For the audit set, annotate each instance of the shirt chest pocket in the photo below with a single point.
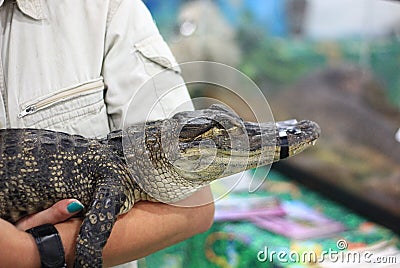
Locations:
(156, 55)
(79, 109)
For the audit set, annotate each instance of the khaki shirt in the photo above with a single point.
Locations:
(74, 66)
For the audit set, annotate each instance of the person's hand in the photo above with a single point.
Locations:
(15, 243)
(59, 212)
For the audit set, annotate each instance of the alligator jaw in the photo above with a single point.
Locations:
(294, 137)
(225, 144)
(188, 151)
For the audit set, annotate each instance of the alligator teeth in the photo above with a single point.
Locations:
(313, 142)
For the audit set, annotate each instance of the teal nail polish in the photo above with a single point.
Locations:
(74, 207)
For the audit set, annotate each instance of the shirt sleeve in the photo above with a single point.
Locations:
(141, 75)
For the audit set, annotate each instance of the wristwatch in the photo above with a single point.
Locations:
(50, 246)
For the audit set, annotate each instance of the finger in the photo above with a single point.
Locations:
(59, 212)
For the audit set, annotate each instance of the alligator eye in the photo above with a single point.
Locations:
(196, 127)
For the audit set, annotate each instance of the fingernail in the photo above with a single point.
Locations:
(74, 207)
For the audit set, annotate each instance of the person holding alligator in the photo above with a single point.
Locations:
(138, 163)
(72, 66)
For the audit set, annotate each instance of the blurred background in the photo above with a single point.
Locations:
(336, 62)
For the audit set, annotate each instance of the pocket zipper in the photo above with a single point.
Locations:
(34, 107)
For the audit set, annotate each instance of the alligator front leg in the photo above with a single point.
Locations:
(96, 226)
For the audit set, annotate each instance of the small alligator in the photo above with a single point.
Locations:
(163, 160)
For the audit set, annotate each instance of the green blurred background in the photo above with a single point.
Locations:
(334, 62)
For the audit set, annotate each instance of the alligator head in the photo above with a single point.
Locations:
(193, 148)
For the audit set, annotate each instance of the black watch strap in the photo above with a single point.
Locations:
(50, 246)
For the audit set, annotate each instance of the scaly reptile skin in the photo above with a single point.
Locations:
(165, 160)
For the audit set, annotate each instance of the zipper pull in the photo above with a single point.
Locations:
(28, 110)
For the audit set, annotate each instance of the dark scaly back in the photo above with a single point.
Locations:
(39, 167)
(114, 143)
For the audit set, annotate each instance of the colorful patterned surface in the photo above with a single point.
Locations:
(242, 244)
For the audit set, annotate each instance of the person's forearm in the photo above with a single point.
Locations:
(18, 249)
(147, 228)
(150, 227)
